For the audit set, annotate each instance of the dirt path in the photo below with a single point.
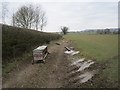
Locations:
(40, 75)
(57, 72)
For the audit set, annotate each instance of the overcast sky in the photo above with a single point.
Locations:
(76, 15)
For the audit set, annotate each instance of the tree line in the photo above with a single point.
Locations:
(107, 31)
(27, 16)
(30, 17)
(102, 31)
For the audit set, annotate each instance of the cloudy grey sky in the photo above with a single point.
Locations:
(76, 15)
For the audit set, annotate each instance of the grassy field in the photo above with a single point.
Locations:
(102, 48)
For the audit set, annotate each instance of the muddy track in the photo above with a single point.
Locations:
(40, 75)
(58, 71)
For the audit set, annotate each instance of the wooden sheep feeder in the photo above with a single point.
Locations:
(40, 53)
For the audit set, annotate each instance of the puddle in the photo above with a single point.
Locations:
(86, 76)
(82, 78)
(71, 52)
(75, 52)
(79, 65)
(77, 61)
(86, 64)
(75, 65)
(76, 71)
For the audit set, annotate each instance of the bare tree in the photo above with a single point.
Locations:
(40, 18)
(30, 17)
(37, 18)
(43, 20)
(64, 29)
(21, 17)
(24, 17)
(13, 19)
(4, 11)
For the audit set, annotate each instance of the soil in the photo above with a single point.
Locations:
(41, 75)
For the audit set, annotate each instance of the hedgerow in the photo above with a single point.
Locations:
(17, 41)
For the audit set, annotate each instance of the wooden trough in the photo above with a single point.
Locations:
(40, 53)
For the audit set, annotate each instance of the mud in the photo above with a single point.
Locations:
(77, 61)
(78, 71)
(86, 76)
(59, 71)
(85, 65)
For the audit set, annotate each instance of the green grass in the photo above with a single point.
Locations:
(102, 48)
(112, 70)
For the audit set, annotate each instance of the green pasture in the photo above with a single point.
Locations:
(101, 48)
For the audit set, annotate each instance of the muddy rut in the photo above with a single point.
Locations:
(57, 72)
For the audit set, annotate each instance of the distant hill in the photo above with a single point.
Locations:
(95, 31)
